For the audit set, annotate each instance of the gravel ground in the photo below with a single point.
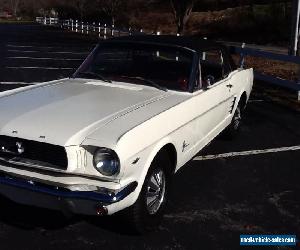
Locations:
(213, 201)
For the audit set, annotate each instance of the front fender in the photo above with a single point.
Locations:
(137, 166)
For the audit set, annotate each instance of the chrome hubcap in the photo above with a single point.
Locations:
(237, 119)
(155, 193)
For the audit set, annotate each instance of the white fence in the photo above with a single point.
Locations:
(47, 20)
(101, 30)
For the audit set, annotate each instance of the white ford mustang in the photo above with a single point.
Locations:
(110, 137)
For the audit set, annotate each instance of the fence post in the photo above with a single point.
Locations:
(99, 30)
(112, 30)
(295, 28)
(76, 25)
(157, 52)
(105, 31)
(87, 28)
(94, 26)
(242, 55)
(81, 27)
(204, 53)
(129, 30)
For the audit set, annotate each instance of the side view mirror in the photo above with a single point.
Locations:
(208, 81)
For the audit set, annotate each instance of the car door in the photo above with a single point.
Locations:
(214, 98)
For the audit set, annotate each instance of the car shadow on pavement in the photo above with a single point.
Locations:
(29, 218)
(26, 217)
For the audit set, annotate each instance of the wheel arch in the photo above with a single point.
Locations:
(170, 151)
(243, 100)
(165, 146)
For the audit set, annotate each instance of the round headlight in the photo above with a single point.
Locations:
(106, 162)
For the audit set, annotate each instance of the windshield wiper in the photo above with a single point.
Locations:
(93, 74)
(154, 84)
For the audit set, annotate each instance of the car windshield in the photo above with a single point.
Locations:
(157, 66)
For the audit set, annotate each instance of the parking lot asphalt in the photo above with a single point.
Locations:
(248, 185)
(31, 53)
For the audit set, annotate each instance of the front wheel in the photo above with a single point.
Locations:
(146, 214)
(235, 125)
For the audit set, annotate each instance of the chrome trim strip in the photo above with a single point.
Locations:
(58, 192)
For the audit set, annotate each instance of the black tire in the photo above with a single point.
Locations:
(138, 215)
(234, 127)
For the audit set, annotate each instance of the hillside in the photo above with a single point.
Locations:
(263, 24)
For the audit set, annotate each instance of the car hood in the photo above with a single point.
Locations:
(66, 112)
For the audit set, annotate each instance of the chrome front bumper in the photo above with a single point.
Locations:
(46, 196)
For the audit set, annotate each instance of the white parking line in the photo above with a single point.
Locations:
(255, 100)
(246, 153)
(50, 68)
(67, 52)
(23, 51)
(41, 47)
(47, 52)
(44, 58)
(23, 46)
(17, 46)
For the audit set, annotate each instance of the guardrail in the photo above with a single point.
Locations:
(292, 85)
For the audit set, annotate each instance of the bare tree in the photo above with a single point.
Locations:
(111, 8)
(14, 6)
(182, 10)
(80, 6)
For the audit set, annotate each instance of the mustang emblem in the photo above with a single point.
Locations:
(20, 147)
(184, 146)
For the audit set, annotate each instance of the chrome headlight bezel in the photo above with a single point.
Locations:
(106, 162)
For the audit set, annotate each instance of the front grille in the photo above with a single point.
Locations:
(26, 152)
